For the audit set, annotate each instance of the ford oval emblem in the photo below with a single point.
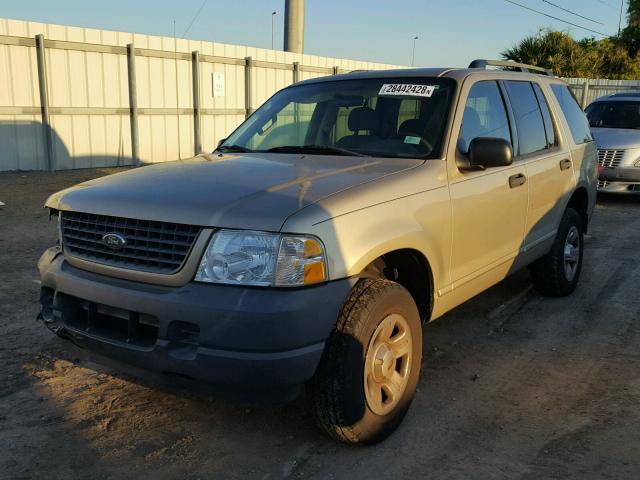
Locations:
(114, 241)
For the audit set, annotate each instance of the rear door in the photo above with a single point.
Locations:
(546, 158)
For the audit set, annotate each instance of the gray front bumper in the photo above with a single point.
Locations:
(237, 336)
(620, 174)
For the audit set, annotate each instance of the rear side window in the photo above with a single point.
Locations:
(546, 116)
(577, 120)
(484, 115)
(532, 137)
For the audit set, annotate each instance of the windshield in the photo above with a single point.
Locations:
(384, 117)
(617, 114)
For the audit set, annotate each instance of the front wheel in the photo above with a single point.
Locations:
(371, 364)
(557, 273)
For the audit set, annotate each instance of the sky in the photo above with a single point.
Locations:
(450, 32)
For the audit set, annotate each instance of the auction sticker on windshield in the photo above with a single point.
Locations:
(407, 89)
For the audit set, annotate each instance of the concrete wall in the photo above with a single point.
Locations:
(87, 86)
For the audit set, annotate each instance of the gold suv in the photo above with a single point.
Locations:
(309, 247)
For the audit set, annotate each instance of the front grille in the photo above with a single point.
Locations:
(602, 183)
(610, 158)
(156, 247)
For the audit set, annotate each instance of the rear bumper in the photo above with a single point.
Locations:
(250, 338)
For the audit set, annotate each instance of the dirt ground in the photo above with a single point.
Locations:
(516, 386)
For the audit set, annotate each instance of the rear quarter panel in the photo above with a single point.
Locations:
(584, 157)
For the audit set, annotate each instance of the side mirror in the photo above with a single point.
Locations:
(220, 142)
(489, 152)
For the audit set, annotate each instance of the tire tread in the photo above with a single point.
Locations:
(324, 389)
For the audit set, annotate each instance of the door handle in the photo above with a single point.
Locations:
(565, 164)
(517, 180)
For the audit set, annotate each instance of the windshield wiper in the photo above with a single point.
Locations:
(319, 149)
(233, 148)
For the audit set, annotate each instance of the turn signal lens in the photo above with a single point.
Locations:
(301, 261)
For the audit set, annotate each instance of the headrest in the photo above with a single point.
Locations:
(363, 118)
(413, 126)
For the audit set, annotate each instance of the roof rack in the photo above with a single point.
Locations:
(519, 67)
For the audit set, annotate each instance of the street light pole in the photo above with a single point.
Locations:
(273, 16)
(413, 53)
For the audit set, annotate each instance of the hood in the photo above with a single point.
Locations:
(616, 138)
(245, 191)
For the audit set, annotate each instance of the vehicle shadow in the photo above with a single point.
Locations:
(618, 198)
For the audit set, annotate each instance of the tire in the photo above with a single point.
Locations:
(549, 275)
(337, 397)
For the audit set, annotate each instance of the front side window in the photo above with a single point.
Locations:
(532, 137)
(577, 120)
(614, 114)
(382, 117)
(484, 115)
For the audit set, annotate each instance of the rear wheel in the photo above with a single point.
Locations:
(371, 364)
(557, 273)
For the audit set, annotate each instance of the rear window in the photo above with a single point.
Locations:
(577, 120)
(617, 114)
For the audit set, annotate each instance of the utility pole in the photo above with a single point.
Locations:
(413, 52)
(294, 26)
(620, 21)
(273, 16)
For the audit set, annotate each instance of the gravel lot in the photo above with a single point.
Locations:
(515, 385)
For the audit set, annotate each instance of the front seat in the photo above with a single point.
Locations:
(361, 118)
(413, 127)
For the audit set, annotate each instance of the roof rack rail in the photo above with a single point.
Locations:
(519, 67)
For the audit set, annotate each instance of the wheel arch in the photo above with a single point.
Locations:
(410, 268)
(579, 201)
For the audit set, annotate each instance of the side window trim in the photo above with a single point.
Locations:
(512, 119)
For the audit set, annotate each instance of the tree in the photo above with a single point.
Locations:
(587, 58)
(630, 37)
(614, 57)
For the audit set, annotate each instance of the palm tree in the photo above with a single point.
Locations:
(554, 50)
(630, 37)
(587, 58)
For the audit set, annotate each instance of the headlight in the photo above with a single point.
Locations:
(240, 257)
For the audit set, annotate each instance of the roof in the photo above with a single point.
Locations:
(398, 72)
(619, 97)
(458, 73)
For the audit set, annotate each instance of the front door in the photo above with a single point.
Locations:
(489, 207)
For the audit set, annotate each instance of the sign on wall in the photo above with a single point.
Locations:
(218, 84)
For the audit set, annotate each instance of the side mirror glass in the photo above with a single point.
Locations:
(489, 152)
(220, 142)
